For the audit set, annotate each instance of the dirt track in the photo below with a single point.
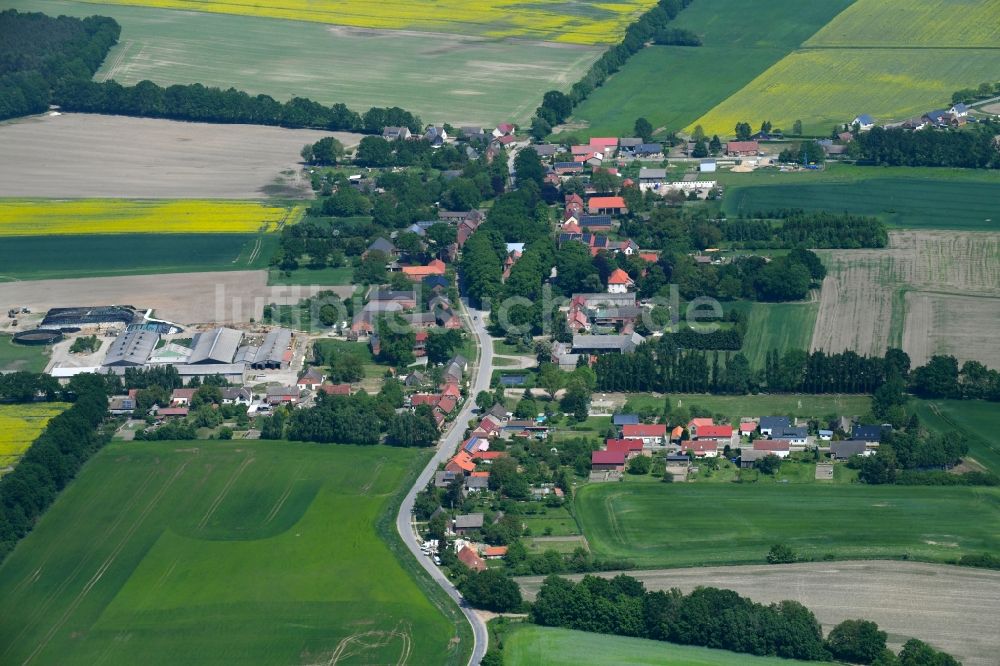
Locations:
(956, 609)
(186, 298)
(84, 155)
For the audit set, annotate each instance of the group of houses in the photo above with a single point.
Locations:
(408, 305)
(495, 139)
(703, 438)
(957, 115)
(448, 394)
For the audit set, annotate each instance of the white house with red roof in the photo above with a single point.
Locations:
(704, 448)
(651, 434)
(619, 282)
(779, 447)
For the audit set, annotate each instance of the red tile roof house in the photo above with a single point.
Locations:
(172, 412)
(747, 427)
(607, 461)
(631, 447)
(488, 456)
(461, 463)
(742, 148)
(336, 389)
(494, 552)
(705, 448)
(182, 396)
(607, 206)
(471, 559)
(650, 434)
(722, 433)
(779, 447)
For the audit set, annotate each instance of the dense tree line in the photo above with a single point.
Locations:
(196, 102)
(723, 339)
(798, 228)
(982, 91)
(676, 37)
(720, 619)
(970, 148)
(707, 616)
(39, 53)
(941, 377)
(26, 386)
(556, 106)
(53, 459)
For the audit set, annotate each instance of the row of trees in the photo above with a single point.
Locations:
(557, 106)
(716, 618)
(53, 459)
(970, 148)
(39, 53)
(982, 91)
(196, 102)
(798, 228)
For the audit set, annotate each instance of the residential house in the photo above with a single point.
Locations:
(749, 456)
(494, 552)
(825, 435)
(471, 559)
(742, 148)
(407, 300)
(768, 424)
(471, 133)
(182, 397)
(593, 223)
(649, 176)
(703, 448)
(436, 136)
(504, 129)
(477, 482)
(606, 145)
(524, 429)
(416, 379)
(418, 273)
(443, 479)
(382, 245)
(959, 110)
(844, 449)
(607, 206)
(630, 447)
(468, 522)
(747, 427)
(797, 436)
(619, 282)
(567, 168)
(779, 447)
(648, 151)
(121, 404)
(597, 344)
(653, 434)
(488, 457)
(864, 122)
(335, 389)
(868, 433)
(607, 461)
(456, 367)
(461, 463)
(312, 378)
(170, 412)
(282, 395)
(396, 133)
(236, 395)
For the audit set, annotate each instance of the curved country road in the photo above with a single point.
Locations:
(446, 449)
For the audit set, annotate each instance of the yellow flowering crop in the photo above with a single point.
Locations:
(28, 217)
(569, 21)
(20, 425)
(914, 23)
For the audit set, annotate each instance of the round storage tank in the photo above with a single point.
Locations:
(38, 336)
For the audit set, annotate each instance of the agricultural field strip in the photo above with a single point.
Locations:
(913, 23)
(572, 22)
(20, 425)
(944, 605)
(858, 296)
(42, 217)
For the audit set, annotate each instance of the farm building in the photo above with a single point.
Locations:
(468, 522)
(631, 447)
(471, 559)
(742, 148)
(653, 434)
(607, 461)
(231, 372)
(779, 447)
(607, 206)
(273, 351)
(218, 346)
(849, 447)
(749, 456)
(60, 318)
(708, 166)
(131, 348)
(619, 282)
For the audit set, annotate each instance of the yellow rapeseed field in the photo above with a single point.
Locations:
(827, 87)
(914, 23)
(20, 425)
(568, 21)
(29, 217)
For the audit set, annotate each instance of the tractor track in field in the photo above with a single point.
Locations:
(225, 490)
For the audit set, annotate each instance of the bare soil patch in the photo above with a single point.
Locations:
(186, 298)
(86, 155)
(931, 291)
(956, 609)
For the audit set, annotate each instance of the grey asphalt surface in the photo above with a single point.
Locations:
(446, 449)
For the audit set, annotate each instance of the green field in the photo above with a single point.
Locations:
(826, 88)
(976, 419)
(672, 86)
(45, 257)
(531, 645)
(781, 326)
(957, 199)
(461, 80)
(961, 23)
(676, 525)
(21, 357)
(735, 406)
(222, 553)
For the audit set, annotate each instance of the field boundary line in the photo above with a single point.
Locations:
(109, 560)
(225, 490)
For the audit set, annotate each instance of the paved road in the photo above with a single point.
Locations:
(446, 448)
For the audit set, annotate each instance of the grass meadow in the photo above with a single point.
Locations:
(672, 86)
(828, 87)
(571, 22)
(913, 23)
(47, 257)
(220, 553)
(733, 407)
(453, 78)
(781, 326)
(46, 217)
(975, 419)
(15, 357)
(20, 425)
(532, 645)
(338, 276)
(676, 525)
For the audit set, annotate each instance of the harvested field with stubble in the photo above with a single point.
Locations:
(956, 609)
(926, 292)
(187, 298)
(83, 155)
